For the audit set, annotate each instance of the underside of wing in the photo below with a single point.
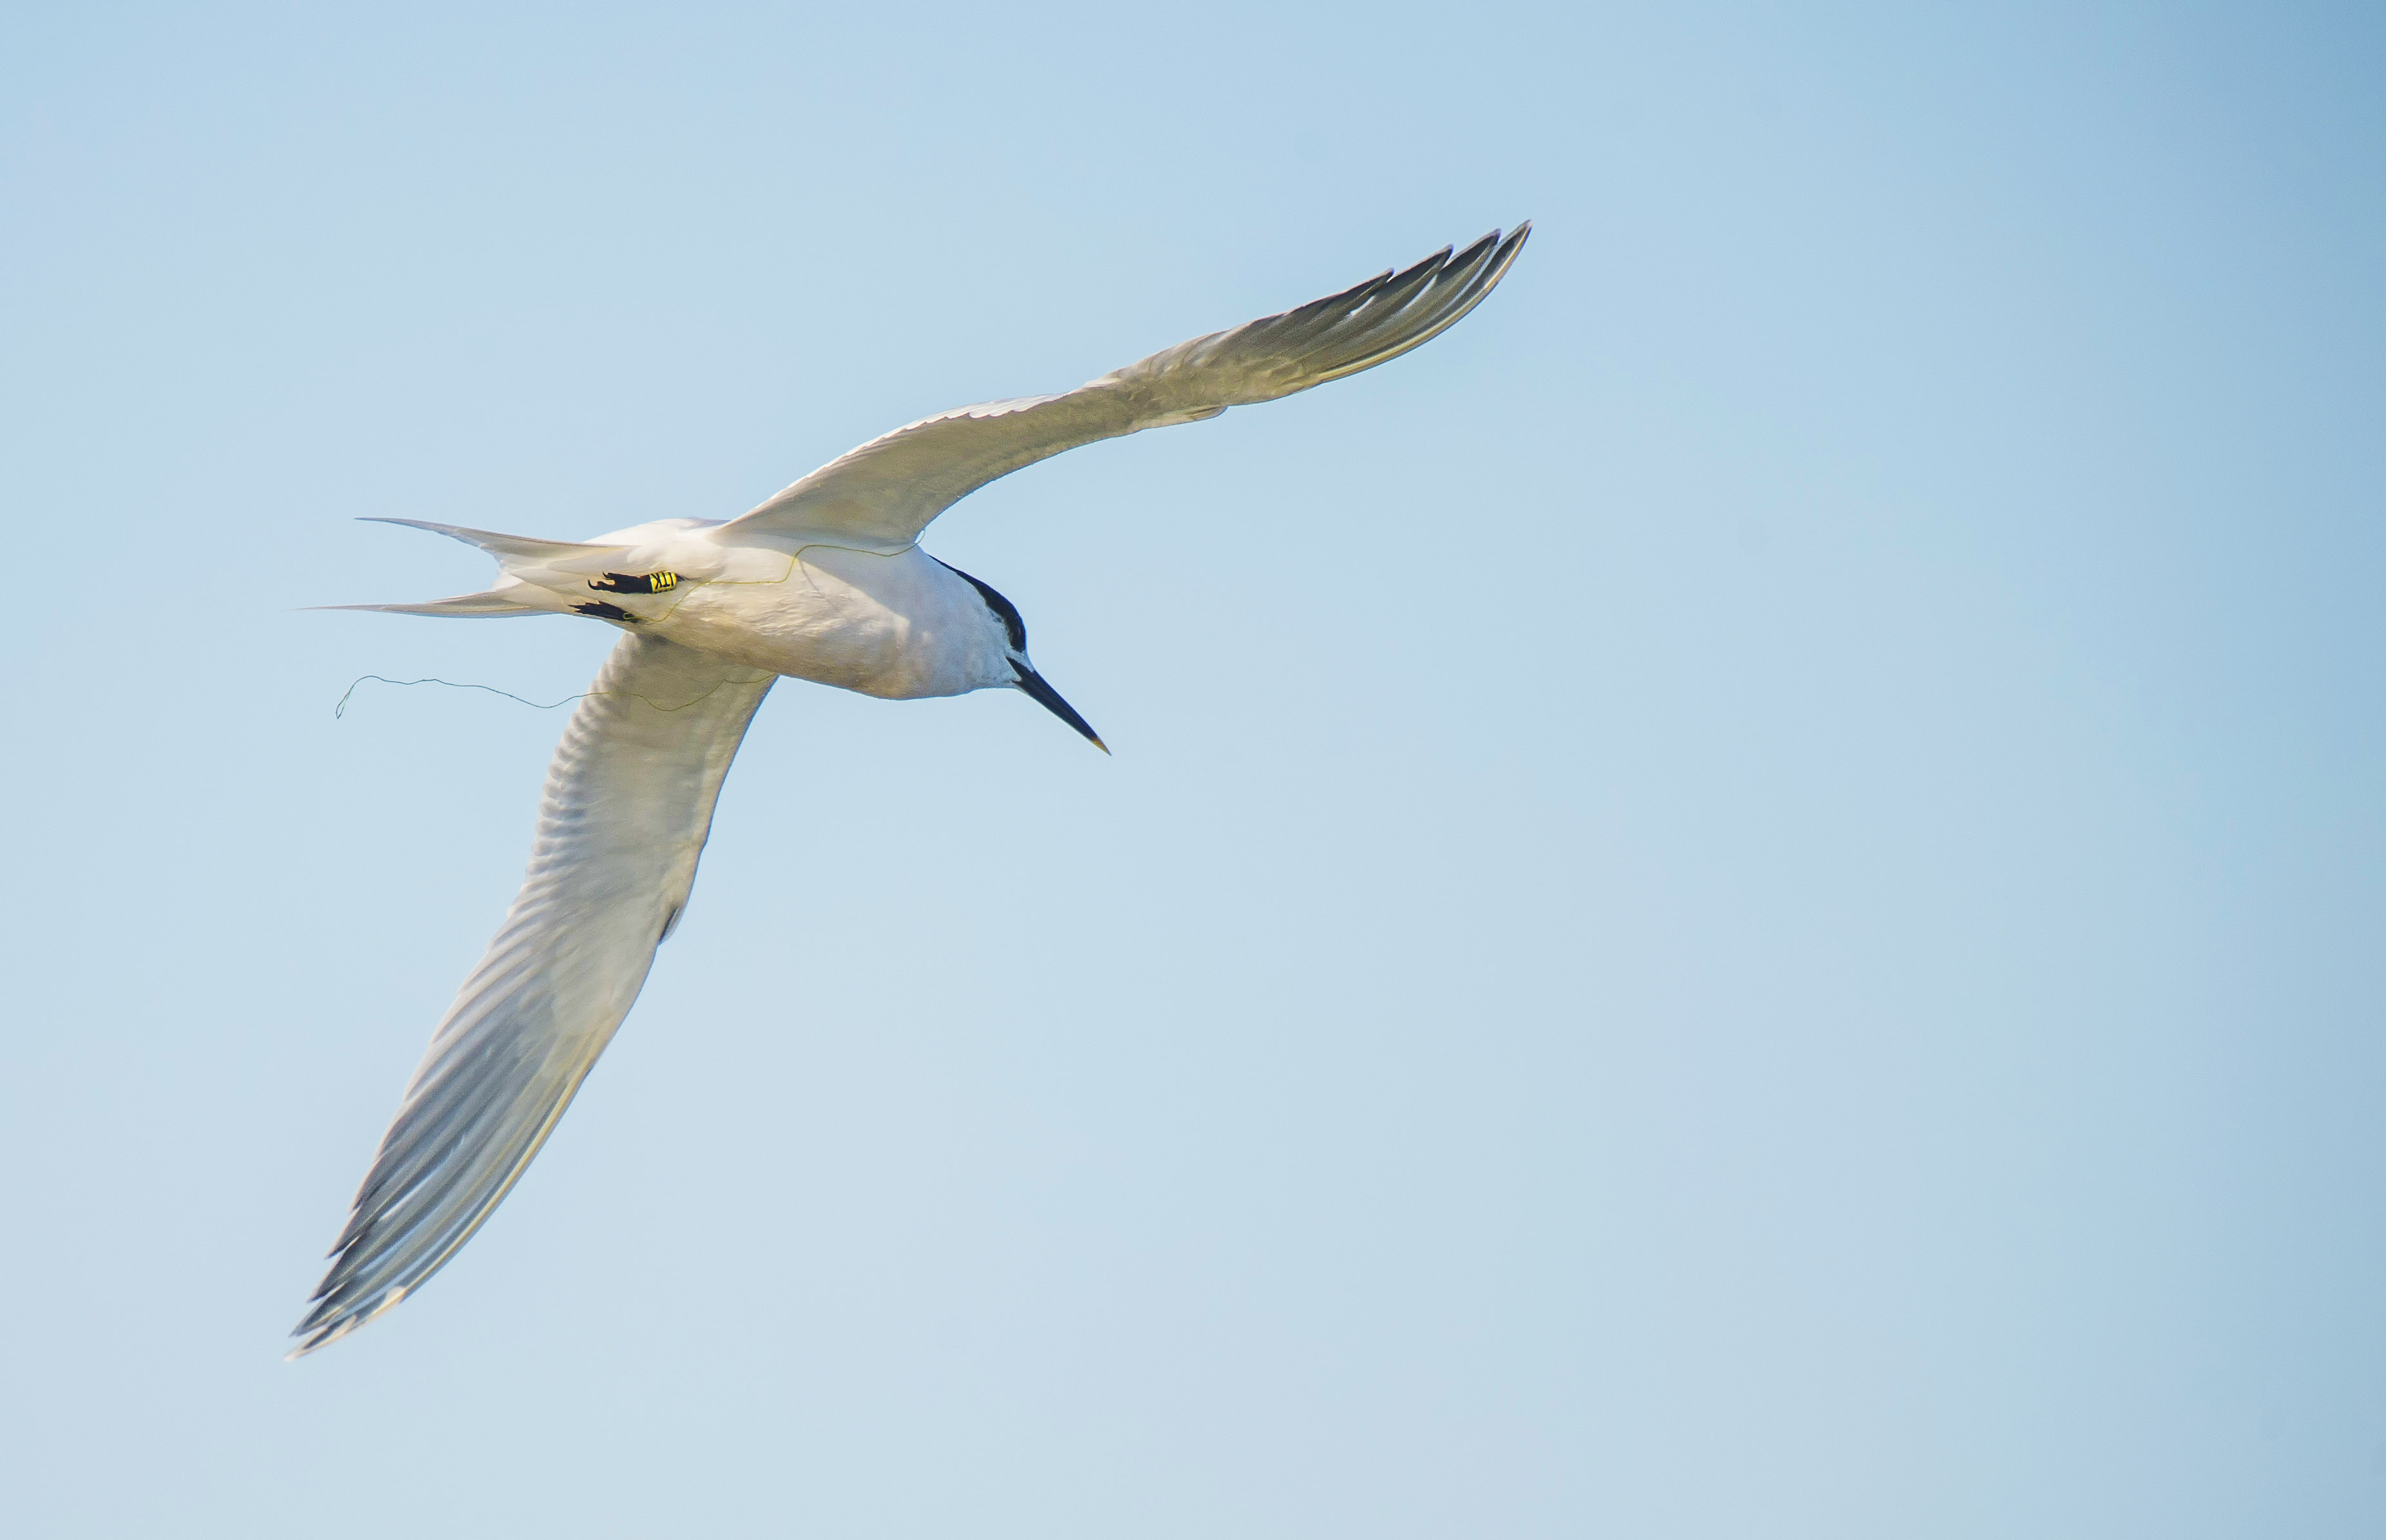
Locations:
(888, 490)
(628, 804)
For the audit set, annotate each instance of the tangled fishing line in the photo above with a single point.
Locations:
(342, 709)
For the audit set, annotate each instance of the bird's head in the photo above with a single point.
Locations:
(1022, 675)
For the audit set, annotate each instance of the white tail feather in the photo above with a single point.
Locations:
(487, 606)
(522, 547)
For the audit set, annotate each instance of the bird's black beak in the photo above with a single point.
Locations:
(1044, 695)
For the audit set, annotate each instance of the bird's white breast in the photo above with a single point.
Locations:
(899, 627)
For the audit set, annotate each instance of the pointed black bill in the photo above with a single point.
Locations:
(1048, 698)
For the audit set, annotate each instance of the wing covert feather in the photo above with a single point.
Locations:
(624, 819)
(888, 490)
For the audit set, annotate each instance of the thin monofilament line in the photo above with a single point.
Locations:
(342, 709)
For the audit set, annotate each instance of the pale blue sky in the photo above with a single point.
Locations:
(1741, 900)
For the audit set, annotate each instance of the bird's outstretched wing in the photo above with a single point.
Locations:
(888, 490)
(628, 803)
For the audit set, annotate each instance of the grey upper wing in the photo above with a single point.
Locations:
(628, 804)
(888, 490)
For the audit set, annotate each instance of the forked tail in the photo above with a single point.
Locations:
(520, 589)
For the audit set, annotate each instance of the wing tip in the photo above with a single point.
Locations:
(317, 1331)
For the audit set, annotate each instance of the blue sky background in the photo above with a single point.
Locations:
(1742, 899)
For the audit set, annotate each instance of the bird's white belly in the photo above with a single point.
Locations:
(899, 627)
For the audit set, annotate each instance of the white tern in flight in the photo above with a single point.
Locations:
(825, 581)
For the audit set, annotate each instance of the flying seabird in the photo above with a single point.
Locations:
(825, 581)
